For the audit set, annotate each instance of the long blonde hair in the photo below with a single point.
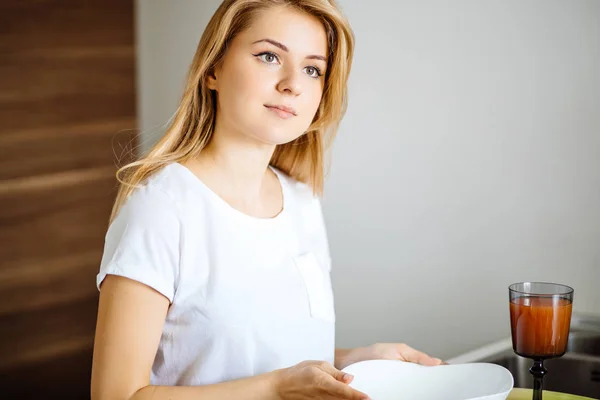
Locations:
(192, 126)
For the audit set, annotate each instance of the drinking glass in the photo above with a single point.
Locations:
(540, 318)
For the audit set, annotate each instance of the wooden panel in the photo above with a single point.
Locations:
(69, 62)
(41, 334)
(63, 377)
(73, 89)
(59, 24)
(67, 112)
(76, 72)
(66, 148)
(38, 285)
(54, 216)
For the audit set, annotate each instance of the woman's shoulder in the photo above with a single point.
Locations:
(159, 188)
(301, 191)
(300, 199)
(165, 192)
(171, 180)
(175, 182)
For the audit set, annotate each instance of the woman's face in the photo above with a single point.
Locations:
(271, 80)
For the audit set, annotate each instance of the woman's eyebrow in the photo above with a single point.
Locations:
(285, 48)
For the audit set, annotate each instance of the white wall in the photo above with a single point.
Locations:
(469, 159)
(167, 34)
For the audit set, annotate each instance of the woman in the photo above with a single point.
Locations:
(214, 282)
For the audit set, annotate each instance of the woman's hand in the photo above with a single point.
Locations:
(315, 380)
(386, 351)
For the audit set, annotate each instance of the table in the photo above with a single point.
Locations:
(526, 394)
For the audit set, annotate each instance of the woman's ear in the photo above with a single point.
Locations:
(211, 79)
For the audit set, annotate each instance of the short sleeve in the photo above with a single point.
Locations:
(143, 242)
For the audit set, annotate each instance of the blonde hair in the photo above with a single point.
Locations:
(192, 126)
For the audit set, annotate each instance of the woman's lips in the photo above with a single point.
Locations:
(281, 111)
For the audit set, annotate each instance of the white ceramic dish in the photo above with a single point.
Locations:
(398, 380)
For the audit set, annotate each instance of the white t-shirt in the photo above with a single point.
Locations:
(248, 295)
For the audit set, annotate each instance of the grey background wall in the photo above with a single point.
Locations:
(469, 159)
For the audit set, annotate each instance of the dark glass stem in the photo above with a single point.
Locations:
(538, 371)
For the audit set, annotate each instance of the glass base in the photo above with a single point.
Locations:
(538, 371)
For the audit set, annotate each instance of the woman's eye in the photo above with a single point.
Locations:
(313, 72)
(268, 58)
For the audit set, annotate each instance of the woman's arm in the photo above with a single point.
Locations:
(383, 351)
(256, 388)
(130, 322)
(345, 357)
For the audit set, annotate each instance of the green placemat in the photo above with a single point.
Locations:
(526, 394)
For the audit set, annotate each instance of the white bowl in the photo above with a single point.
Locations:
(399, 380)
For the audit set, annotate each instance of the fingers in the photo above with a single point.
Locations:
(338, 386)
(409, 354)
(336, 373)
(341, 391)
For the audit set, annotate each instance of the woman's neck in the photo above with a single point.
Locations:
(237, 170)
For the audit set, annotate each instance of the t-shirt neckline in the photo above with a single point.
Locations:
(224, 204)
